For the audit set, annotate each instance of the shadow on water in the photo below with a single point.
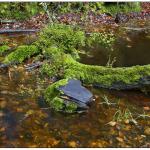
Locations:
(27, 121)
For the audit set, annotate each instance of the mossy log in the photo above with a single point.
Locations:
(120, 78)
(59, 46)
(59, 43)
(136, 77)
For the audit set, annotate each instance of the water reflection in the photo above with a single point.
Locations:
(131, 48)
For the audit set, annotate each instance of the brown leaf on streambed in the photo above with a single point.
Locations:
(147, 131)
(46, 125)
(112, 123)
(98, 143)
(29, 112)
(33, 146)
(127, 128)
(121, 135)
(96, 96)
(19, 109)
(53, 142)
(129, 46)
(126, 121)
(2, 129)
(72, 144)
(37, 122)
(3, 104)
(146, 108)
(119, 139)
(1, 114)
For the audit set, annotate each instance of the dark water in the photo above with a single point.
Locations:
(26, 121)
(131, 48)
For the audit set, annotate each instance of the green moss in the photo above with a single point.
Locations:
(70, 107)
(51, 92)
(63, 37)
(103, 38)
(104, 75)
(52, 97)
(3, 49)
(21, 53)
(126, 7)
(57, 103)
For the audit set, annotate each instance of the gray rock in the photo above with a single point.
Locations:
(76, 92)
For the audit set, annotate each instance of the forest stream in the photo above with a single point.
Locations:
(27, 121)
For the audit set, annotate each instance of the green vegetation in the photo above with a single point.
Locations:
(3, 49)
(18, 10)
(52, 96)
(122, 115)
(24, 10)
(104, 39)
(96, 7)
(107, 101)
(122, 7)
(21, 53)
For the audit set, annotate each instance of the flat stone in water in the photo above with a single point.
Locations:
(75, 90)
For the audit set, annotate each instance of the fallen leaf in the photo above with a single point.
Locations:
(146, 108)
(72, 144)
(112, 123)
(3, 104)
(1, 114)
(2, 129)
(119, 139)
(129, 46)
(127, 121)
(147, 131)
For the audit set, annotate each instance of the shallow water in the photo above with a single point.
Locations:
(26, 120)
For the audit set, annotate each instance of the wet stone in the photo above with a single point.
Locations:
(76, 92)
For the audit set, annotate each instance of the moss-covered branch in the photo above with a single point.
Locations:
(59, 44)
(106, 77)
(3, 49)
(21, 53)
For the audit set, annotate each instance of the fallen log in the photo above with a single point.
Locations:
(59, 43)
(7, 21)
(18, 31)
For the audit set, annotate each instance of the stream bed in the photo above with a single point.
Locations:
(26, 120)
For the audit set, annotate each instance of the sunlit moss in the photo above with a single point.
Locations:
(52, 90)
(57, 103)
(3, 49)
(21, 53)
(105, 75)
